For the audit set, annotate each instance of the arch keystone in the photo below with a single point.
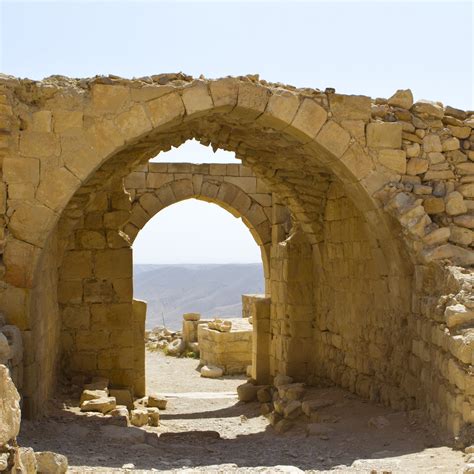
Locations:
(224, 93)
(196, 99)
(252, 101)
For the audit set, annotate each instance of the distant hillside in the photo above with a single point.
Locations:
(212, 290)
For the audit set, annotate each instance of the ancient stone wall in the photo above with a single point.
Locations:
(381, 199)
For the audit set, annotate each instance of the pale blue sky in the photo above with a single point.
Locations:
(370, 48)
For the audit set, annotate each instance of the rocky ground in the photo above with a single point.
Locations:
(206, 429)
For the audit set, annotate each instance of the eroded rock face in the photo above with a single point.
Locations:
(10, 414)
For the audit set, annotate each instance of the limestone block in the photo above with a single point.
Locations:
(5, 350)
(153, 416)
(28, 460)
(466, 220)
(357, 161)
(308, 120)
(461, 235)
(92, 395)
(432, 143)
(191, 316)
(394, 160)
(136, 179)
(122, 396)
(292, 410)
(281, 109)
(21, 170)
(384, 135)
(434, 205)
(57, 187)
(224, 93)
(458, 314)
(196, 98)
(428, 108)
(13, 335)
(438, 236)
(133, 122)
(67, 120)
(211, 371)
(157, 401)
(109, 98)
(252, 100)
(417, 166)
(113, 263)
(166, 110)
(467, 190)
(282, 380)
(139, 417)
(403, 98)
(10, 413)
(450, 144)
(102, 405)
(51, 463)
(39, 144)
(333, 138)
(354, 107)
(247, 392)
(455, 204)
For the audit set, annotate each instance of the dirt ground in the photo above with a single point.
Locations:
(206, 429)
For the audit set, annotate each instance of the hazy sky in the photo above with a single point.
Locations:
(370, 48)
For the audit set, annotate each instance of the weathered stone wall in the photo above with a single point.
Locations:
(380, 185)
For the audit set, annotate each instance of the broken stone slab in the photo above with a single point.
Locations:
(102, 405)
(211, 371)
(458, 314)
(403, 98)
(92, 395)
(139, 417)
(156, 401)
(10, 413)
(51, 463)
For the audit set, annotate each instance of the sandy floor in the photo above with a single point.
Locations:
(206, 429)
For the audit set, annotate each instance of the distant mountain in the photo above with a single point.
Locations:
(214, 290)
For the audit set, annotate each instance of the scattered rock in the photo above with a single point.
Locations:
(98, 383)
(157, 401)
(378, 422)
(292, 391)
(176, 347)
(51, 463)
(403, 98)
(211, 371)
(28, 460)
(292, 410)
(247, 392)
(264, 395)
(222, 325)
(283, 426)
(153, 416)
(318, 429)
(123, 434)
(10, 414)
(139, 417)
(4, 461)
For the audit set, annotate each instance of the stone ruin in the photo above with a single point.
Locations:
(363, 209)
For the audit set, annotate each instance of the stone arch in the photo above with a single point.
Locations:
(225, 195)
(314, 150)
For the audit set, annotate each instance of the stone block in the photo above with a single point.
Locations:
(384, 135)
(394, 160)
(308, 120)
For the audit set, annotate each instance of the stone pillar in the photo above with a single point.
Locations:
(139, 316)
(260, 313)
